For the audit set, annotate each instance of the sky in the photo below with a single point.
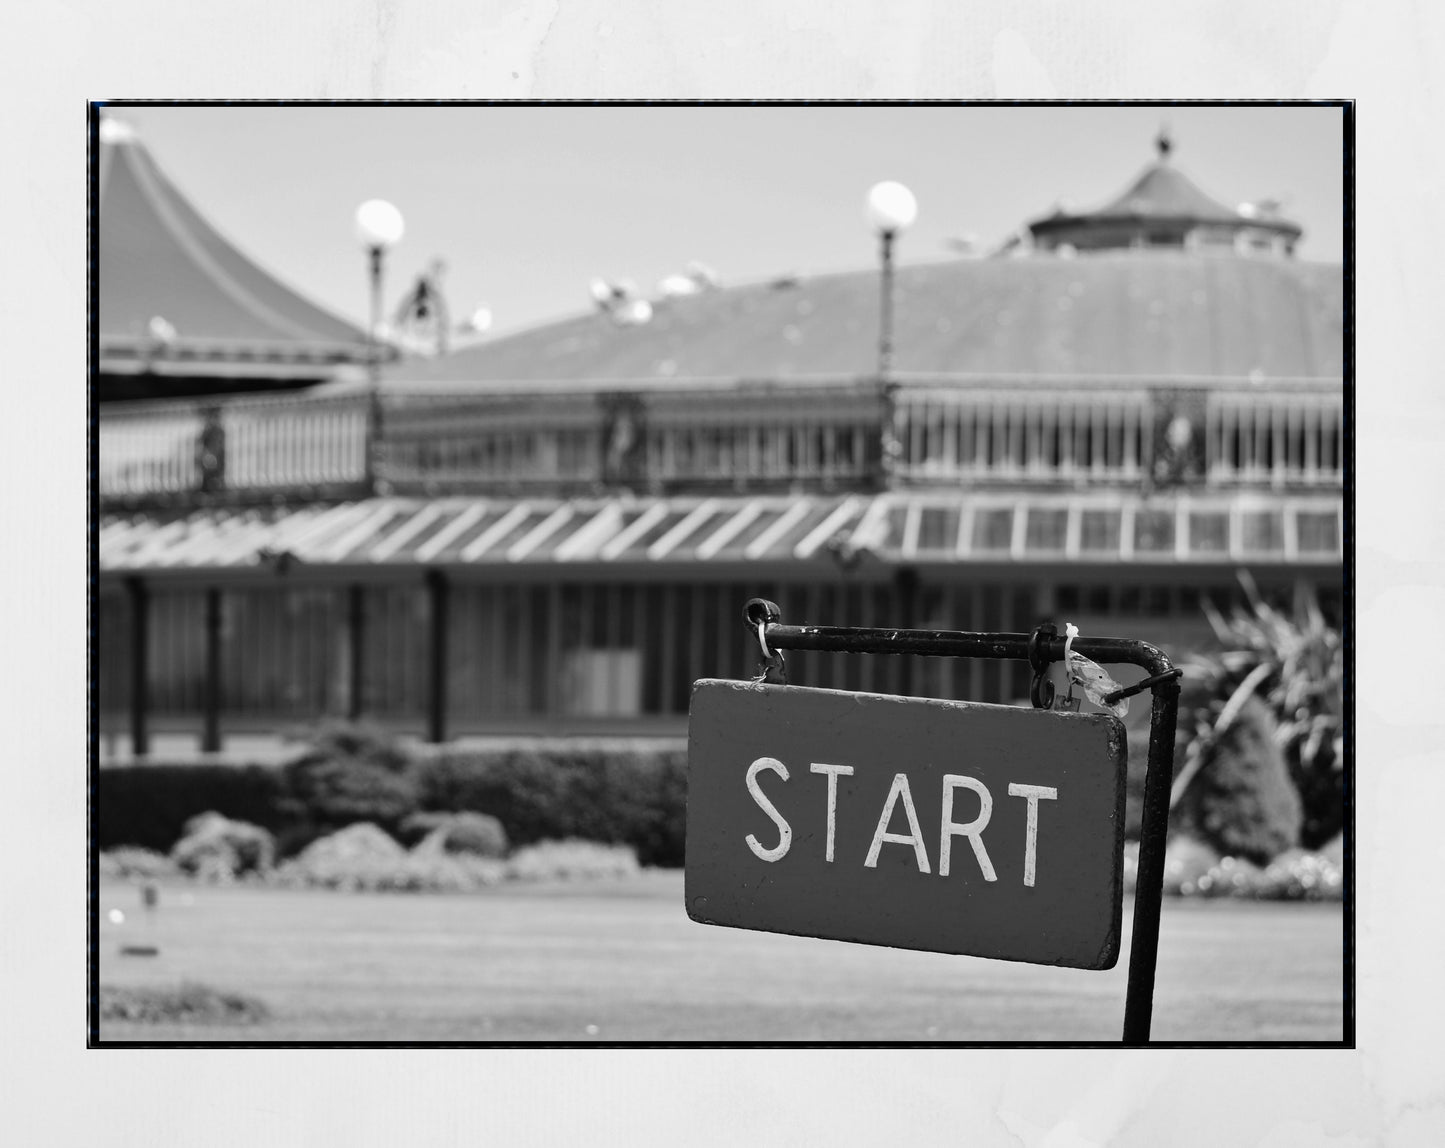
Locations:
(526, 205)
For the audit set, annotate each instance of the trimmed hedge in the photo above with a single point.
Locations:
(625, 797)
(631, 796)
(149, 805)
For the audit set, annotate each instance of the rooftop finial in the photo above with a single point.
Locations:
(1164, 143)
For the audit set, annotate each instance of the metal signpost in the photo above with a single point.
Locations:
(954, 827)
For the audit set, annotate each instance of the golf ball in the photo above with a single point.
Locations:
(116, 917)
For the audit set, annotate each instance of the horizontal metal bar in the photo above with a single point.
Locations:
(959, 644)
(1139, 687)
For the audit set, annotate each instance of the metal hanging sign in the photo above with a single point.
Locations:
(954, 827)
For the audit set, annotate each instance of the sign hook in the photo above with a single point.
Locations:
(1041, 690)
(758, 614)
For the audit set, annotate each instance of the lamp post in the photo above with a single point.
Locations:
(891, 209)
(379, 226)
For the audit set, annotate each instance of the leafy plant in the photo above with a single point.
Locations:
(1294, 665)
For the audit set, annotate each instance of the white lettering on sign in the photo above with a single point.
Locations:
(915, 835)
(1031, 833)
(948, 828)
(973, 830)
(785, 831)
(833, 772)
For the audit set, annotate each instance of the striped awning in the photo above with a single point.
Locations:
(896, 527)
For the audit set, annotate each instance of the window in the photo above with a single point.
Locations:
(602, 682)
(1318, 531)
(1099, 531)
(1046, 529)
(1263, 531)
(937, 529)
(1209, 532)
(287, 651)
(1154, 531)
(993, 529)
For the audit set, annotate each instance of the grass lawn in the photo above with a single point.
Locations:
(620, 961)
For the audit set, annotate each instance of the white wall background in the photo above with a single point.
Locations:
(1385, 53)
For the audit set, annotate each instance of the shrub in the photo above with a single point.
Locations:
(219, 849)
(571, 861)
(1186, 860)
(1193, 869)
(626, 797)
(1302, 876)
(188, 1004)
(359, 842)
(363, 858)
(466, 832)
(149, 805)
(349, 773)
(131, 863)
(1242, 800)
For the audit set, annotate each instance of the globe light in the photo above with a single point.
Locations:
(379, 224)
(891, 207)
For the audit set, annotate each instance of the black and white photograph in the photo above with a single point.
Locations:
(727, 574)
(671, 573)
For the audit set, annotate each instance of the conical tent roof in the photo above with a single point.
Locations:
(1164, 192)
(177, 299)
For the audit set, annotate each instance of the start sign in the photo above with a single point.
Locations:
(956, 827)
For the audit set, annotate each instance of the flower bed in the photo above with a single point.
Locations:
(1192, 869)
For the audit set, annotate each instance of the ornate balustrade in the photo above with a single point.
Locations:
(753, 437)
(1229, 433)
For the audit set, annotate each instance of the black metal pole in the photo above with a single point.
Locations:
(373, 369)
(887, 441)
(437, 686)
(139, 665)
(1149, 888)
(906, 584)
(885, 306)
(356, 629)
(211, 729)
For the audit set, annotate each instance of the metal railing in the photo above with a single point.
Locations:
(963, 434)
(993, 434)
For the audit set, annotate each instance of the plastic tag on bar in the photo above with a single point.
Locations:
(1096, 684)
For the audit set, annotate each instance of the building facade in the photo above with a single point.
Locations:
(555, 533)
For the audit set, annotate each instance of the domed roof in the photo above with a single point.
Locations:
(1118, 315)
